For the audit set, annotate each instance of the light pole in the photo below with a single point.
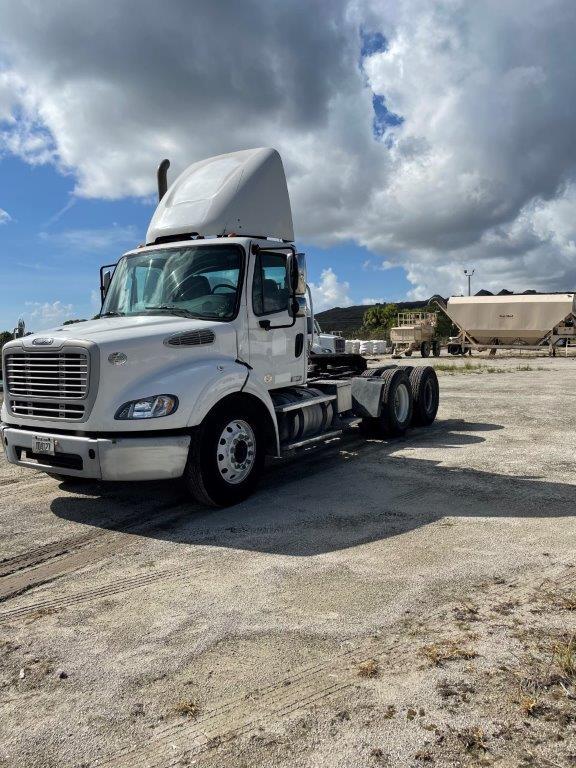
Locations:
(469, 273)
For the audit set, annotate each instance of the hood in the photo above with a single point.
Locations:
(116, 329)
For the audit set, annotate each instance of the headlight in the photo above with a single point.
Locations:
(148, 407)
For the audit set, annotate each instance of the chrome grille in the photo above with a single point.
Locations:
(339, 346)
(53, 375)
(47, 410)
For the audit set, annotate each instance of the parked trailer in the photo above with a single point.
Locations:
(524, 321)
(415, 332)
(197, 366)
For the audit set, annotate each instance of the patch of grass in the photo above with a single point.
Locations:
(565, 656)
(447, 650)
(565, 600)
(368, 668)
(187, 708)
(473, 740)
(468, 368)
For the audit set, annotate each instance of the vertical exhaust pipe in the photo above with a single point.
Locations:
(162, 176)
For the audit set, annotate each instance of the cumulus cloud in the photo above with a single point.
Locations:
(330, 292)
(438, 135)
(4, 217)
(43, 315)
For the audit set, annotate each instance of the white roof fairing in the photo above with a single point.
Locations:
(241, 192)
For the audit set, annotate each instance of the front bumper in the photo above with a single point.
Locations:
(124, 458)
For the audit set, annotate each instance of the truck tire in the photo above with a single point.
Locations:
(226, 456)
(397, 405)
(374, 373)
(408, 353)
(426, 393)
(436, 348)
(425, 349)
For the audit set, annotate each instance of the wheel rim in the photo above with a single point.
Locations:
(428, 396)
(236, 451)
(401, 403)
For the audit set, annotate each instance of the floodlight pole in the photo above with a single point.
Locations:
(469, 273)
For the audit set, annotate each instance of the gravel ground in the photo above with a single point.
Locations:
(400, 603)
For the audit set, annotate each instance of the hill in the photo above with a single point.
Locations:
(349, 319)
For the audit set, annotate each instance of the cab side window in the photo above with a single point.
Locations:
(270, 284)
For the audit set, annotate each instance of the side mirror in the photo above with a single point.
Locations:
(293, 273)
(106, 283)
(106, 273)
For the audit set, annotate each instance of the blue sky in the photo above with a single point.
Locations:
(55, 242)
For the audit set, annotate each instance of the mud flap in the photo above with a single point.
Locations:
(367, 397)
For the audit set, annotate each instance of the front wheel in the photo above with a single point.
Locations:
(226, 456)
(425, 349)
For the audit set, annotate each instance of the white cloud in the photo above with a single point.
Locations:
(90, 240)
(4, 217)
(479, 172)
(330, 292)
(368, 302)
(43, 315)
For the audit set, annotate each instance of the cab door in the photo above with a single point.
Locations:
(278, 353)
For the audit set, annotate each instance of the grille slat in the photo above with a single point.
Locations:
(47, 410)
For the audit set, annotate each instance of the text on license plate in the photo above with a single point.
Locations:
(43, 445)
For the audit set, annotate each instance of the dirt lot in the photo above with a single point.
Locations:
(402, 603)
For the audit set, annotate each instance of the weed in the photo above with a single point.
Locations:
(188, 708)
(565, 656)
(473, 739)
(368, 668)
(448, 650)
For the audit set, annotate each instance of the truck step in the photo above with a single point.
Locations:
(311, 440)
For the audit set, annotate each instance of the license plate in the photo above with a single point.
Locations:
(43, 445)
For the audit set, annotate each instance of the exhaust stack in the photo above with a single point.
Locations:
(162, 176)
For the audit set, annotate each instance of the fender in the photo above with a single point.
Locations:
(233, 378)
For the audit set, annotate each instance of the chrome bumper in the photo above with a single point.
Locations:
(125, 458)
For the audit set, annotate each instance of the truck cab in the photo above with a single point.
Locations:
(196, 366)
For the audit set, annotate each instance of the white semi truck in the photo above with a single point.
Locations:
(197, 366)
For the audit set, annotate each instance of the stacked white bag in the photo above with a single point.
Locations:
(348, 345)
(366, 348)
(356, 346)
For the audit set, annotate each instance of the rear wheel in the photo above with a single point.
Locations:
(226, 456)
(426, 393)
(425, 349)
(436, 348)
(397, 405)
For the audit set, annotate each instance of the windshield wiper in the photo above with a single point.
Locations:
(174, 311)
(112, 314)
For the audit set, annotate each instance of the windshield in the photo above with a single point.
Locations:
(195, 281)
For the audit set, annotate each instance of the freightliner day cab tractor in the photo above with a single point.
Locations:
(197, 366)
